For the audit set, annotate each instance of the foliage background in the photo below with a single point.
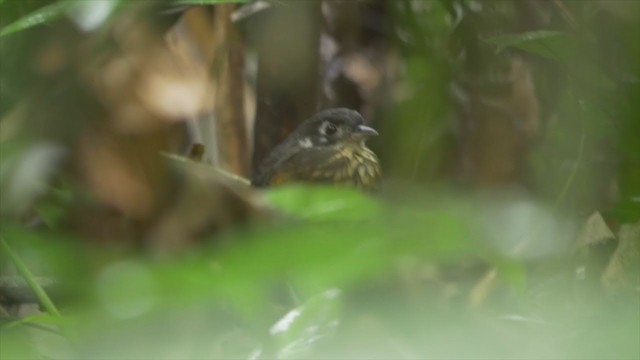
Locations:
(506, 226)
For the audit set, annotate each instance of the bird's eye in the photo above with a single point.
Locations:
(330, 129)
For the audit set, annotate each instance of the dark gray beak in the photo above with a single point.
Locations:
(365, 131)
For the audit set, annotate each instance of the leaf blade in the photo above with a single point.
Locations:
(40, 16)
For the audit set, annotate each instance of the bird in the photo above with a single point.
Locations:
(327, 148)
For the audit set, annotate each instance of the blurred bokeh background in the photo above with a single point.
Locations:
(507, 224)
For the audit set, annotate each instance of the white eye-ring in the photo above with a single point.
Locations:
(328, 128)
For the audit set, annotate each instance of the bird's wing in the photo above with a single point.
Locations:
(273, 161)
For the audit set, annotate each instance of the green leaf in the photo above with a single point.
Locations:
(208, 2)
(323, 202)
(38, 319)
(554, 45)
(513, 272)
(43, 15)
(16, 343)
(55, 206)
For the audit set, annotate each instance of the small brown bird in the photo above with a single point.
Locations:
(326, 148)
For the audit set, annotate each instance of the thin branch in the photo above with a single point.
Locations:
(30, 279)
(567, 14)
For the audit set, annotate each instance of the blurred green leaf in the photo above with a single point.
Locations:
(208, 2)
(127, 289)
(323, 202)
(53, 209)
(47, 255)
(555, 45)
(514, 273)
(42, 15)
(40, 319)
(16, 343)
(191, 306)
(314, 255)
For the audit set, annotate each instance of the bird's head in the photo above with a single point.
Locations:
(333, 127)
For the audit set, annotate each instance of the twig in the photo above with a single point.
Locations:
(567, 14)
(218, 171)
(29, 278)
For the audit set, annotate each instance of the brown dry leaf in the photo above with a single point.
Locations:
(125, 172)
(192, 35)
(127, 89)
(150, 88)
(174, 88)
(146, 87)
(212, 38)
(146, 82)
(623, 271)
(595, 231)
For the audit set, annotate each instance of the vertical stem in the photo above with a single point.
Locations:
(29, 278)
(230, 107)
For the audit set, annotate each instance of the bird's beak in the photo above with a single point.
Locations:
(365, 131)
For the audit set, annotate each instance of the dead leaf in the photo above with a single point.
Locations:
(125, 172)
(623, 271)
(595, 231)
(483, 289)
